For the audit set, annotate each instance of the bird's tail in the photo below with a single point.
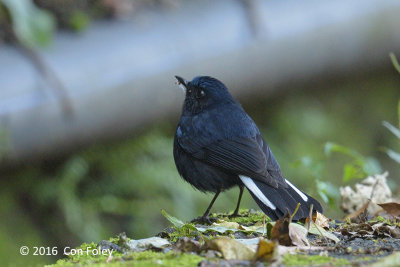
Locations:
(275, 202)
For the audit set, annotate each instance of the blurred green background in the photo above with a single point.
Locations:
(122, 186)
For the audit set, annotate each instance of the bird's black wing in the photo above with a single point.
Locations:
(242, 156)
(272, 164)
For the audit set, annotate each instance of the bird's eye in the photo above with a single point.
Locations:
(202, 93)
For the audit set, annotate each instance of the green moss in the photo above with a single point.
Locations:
(188, 230)
(82, 255)
(147, 258)
(314, 260)
(246, 217)
(121, 240)
(383, 220)
(88, 253)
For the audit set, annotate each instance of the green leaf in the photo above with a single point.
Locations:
(332, 147)
(175, 221)
(352, 171)
(393, 155)
(328, 192)
(31, 25)
(391, 128)
(394, 61)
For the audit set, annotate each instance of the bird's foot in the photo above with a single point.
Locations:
(235, 214)
(203, 220)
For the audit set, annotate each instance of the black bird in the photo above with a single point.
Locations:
(218, 146)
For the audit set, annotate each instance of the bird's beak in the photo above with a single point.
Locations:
(182, 83)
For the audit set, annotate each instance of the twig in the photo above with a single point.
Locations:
(49, 76)
(363, 215)
(310, 218)
(316, 226)
(295, 211)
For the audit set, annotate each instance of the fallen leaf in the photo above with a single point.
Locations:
(251, 243)
(232, 225)
(258, 227)
(320, 220)
(147, 243)
(185, 244)
(219, 229)
(392, 208)
(280, 231)
(265, 250)
(317, 230)
(298, 235)
(231, 249)
(383, 229)
(357, 230)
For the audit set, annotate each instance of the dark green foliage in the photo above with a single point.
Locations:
(396, 132)
(359, 167)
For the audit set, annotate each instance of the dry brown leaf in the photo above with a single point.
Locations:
(383, 229)
(320, 220)
(392, 208)
(265, 250)
(280, 231)
(231, 249)
(186, 244)
(287, 233)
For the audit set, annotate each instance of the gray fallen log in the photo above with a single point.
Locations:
(119, 75)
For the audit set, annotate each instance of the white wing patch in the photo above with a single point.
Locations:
(304, 197)
(249, 183)
(183, 87)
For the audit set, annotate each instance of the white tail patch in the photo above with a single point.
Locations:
(303, 196)
(249, 183)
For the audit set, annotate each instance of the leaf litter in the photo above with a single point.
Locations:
(252, 239)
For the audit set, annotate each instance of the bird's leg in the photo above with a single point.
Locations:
(205, 218)
(236, 212)
(211, 204)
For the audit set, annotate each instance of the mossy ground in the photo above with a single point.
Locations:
(247, 217)
(145, 258)
(312, 260)
(335, 256)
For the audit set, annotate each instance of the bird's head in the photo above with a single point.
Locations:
(203, 92)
